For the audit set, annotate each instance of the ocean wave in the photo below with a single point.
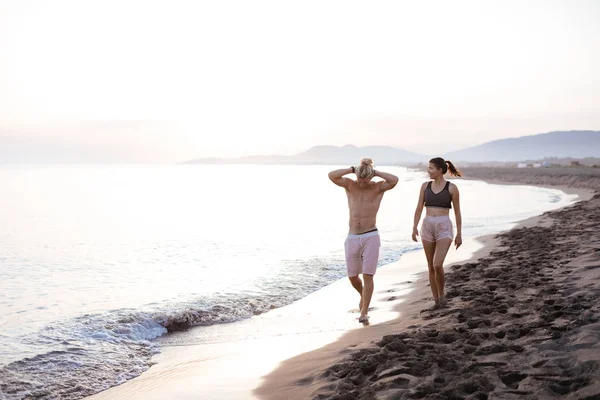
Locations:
(91, 353)
(555, 198)
(94, 352)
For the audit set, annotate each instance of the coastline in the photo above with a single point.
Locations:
(369, 364)
(179, 372)
(302, 376)
(266, 340)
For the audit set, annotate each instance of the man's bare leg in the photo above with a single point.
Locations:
(358, 285)
(366, 295)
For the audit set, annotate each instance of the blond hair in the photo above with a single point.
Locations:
(365, 169)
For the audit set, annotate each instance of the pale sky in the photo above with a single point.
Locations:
(150, 81)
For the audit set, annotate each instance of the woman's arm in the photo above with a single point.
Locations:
(456, 203)
(418, 212)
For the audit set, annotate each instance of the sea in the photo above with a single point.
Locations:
(98, 262)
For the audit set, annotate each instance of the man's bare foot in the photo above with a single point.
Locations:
(363, 319)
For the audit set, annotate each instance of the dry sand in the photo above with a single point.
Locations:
(523, 320)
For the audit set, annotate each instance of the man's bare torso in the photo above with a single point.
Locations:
(363, 204)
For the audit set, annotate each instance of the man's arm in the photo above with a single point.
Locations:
(337, 177)
(389, 180)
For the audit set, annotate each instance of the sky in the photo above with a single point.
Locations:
(168, 81)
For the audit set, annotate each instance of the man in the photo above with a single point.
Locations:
(362, 244)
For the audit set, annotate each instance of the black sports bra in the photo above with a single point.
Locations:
(442, 199)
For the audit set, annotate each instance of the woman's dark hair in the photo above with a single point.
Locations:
(445, 165)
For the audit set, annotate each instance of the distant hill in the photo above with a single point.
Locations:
(575, 144)
(349, 154)
(571, 144)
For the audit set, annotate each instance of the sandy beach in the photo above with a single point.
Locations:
(523, 319)
(505, 294)
(232, 365)
(216, 200)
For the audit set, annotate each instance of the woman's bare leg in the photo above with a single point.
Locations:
(441, 250)
(429, 248)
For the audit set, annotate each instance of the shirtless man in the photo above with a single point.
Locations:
(362, 243)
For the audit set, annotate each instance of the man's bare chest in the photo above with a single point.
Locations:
(364, 197)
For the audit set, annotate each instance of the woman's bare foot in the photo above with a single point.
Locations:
(443, 301)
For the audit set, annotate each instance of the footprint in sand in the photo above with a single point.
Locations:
(402, 283)
(356, 310)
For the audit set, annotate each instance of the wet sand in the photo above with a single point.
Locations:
(227, 361)
(523, 321)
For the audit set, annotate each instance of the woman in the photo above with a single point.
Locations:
(438, 196)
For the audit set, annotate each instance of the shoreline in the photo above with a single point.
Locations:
(296, 378)
(281, 334)
(343, 368)
(178, 371)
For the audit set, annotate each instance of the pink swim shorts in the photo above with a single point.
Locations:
(436, 228)
(362, 253)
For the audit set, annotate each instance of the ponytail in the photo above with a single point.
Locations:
(452, 169)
